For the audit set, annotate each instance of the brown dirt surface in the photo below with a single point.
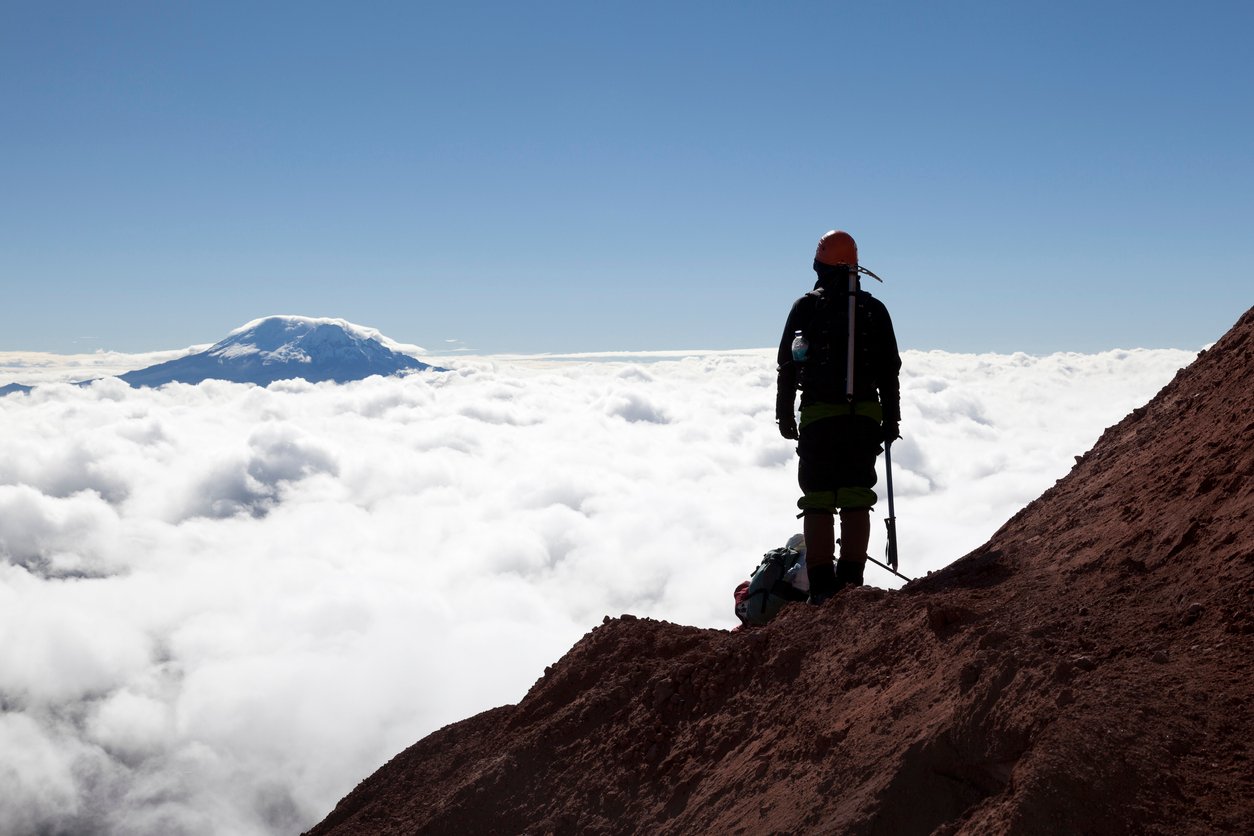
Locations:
(1088, 670)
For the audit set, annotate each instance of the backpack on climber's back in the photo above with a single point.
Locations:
(778, 580)
(825, 326)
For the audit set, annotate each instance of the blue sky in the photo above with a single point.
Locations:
(556, 177)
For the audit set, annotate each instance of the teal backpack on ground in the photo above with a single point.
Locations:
(771, 586)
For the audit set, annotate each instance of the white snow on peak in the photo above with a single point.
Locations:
(295, 327)
(282, 347)
(231, 352)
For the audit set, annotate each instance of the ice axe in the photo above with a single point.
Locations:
(891, 522)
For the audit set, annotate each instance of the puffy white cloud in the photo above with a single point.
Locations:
(31, 367)
(221, 606)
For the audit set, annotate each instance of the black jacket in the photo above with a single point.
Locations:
(822, 316)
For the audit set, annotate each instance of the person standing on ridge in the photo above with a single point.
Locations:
(850, 404)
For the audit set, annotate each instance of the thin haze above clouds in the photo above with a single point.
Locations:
(221, 606)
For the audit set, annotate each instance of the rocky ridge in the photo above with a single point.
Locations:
(1088, 670)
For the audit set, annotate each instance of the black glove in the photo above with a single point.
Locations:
(892, 431)
(785, 400)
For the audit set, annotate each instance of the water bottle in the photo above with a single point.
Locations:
(800, 345)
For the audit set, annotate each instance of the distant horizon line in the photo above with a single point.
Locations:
(8, 356)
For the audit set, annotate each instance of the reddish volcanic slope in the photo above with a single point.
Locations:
(1086, 671)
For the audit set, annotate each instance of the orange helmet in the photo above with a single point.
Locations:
(836, 247)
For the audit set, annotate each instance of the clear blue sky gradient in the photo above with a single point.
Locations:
(556, 177)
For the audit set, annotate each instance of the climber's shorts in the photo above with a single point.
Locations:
(837, 468)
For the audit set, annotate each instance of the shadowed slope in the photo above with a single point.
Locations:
(1087, 670)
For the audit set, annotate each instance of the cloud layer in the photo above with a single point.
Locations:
(221, 606)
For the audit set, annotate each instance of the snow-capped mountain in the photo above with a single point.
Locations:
(281, 347)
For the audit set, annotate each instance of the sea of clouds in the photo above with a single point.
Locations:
(221, 606)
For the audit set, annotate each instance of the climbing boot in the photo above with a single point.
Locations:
(820, 534)
(849, 572)
(823, 584)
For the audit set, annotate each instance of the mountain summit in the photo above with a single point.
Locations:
(1090, 669)
(282, 347)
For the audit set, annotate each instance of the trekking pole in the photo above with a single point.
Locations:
(891, 522)
(889, 569)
